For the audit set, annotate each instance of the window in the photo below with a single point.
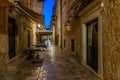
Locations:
(72, 45)
(64, 43)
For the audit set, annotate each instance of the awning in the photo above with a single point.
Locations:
(45, 32)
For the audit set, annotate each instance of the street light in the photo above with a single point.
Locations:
(68, 25)
(39, 27)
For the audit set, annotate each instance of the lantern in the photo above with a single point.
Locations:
(68, 26)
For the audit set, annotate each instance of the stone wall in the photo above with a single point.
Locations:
(58, 23)
(23, 23)
(3, 38)
(111, 40)
(74, 33)
(19, 39)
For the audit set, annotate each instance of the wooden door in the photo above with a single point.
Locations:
(92, 45)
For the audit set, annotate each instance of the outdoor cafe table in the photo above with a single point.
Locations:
(40, 45)
(31, 51)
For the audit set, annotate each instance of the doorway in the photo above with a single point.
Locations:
(92, 45)
(29, 38)
(11, 34)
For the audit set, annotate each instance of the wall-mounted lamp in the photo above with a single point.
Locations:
(102, 5)
(68, 25)
(39, 25)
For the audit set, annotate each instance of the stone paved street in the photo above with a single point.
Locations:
(57, 65)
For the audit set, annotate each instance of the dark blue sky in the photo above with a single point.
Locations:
(47, 11)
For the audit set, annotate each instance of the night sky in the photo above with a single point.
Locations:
(47, 11)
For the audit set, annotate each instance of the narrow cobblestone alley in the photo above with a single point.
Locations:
(59, 39)
(57, 65)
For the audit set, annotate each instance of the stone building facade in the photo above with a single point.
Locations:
(93, 38)
(111, 39)
(53, 23)
(56, 22)
(34, 5)
(17, 31)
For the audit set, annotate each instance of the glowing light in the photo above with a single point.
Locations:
(67, 25)
(39, 25)
(102, 4)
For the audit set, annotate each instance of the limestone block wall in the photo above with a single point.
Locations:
(21, 39)
(15, 14)
(111, 39)
(37, 6)
(58, 22)
(3, 38)
(74, 33)
(34, 37)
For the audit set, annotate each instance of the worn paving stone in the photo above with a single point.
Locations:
(56, 66)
